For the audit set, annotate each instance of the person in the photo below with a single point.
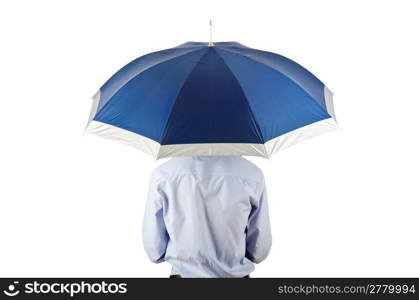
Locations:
(207, 216)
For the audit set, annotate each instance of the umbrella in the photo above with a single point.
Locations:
(212, 99)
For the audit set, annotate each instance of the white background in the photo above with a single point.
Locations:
(342, 204)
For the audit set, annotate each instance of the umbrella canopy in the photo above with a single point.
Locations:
(217, 99)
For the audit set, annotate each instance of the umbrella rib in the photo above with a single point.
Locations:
(285, 75)
(174, 103)
(145, 70)
(259, 131)
(275, 70)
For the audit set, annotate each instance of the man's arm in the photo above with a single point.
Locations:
(258, 237)
(155, 236)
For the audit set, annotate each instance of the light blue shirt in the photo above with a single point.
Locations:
(207, 216)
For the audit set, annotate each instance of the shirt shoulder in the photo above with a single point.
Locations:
(171, 167)
(245, 168)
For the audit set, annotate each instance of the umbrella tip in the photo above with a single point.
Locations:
(210, 44)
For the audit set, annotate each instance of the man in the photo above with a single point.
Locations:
(207, 216)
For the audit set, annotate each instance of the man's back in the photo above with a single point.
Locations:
(207, 216)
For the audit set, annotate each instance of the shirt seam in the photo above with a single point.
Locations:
(170, 177)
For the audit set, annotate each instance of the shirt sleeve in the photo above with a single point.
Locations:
(155, 236)
(259, 237)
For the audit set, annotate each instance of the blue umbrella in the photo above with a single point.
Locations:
(212, 99)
